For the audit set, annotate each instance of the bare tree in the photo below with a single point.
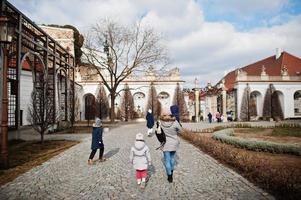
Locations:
(276, 107)
(116, 51)
(180, 101)
(41, 108)
(267, 104)
(245, 104)
(253, 105)
(127, 104)
(102, 104)
(153, 103)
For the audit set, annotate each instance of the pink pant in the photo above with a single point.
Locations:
(141, 174)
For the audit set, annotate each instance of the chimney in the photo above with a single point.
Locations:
(278, 53)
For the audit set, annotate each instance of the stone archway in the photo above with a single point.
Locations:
(89, 106)
(297, 103)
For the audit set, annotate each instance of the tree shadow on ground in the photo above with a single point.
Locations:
(111, 153)
(151, 170)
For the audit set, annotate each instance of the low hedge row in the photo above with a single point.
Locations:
(227, 136)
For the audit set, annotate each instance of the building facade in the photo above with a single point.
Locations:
(267, 89)
(139, 86)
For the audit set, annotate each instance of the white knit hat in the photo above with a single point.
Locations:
(97, 122)
(139, 136)
(166, 111)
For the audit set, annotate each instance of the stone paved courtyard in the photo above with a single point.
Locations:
(67, 176)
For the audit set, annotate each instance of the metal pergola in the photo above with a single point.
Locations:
(31, 45)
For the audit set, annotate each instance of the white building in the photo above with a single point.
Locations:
(165, 86)
(280, 74)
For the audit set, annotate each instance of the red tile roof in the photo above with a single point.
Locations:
(25, 65)
(272, 66)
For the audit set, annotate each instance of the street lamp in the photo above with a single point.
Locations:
(6, 36)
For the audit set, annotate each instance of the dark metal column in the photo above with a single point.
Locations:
(55, 85)
(4, 123)
(19, 70)
(46, 55)
(73, 94)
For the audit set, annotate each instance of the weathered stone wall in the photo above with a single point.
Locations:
(64, 36)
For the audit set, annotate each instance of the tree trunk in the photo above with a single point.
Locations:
(42, 137)
(112, 113)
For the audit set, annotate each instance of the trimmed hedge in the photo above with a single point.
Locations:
(227, 136)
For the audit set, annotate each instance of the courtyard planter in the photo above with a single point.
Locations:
(227, 136)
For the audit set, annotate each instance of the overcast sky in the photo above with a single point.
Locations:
(205, 38)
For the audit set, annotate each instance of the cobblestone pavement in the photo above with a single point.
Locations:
(67, 176)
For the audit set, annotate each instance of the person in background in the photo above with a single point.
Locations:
(218, 116)
(149, 122)
(210, 117)
(229, 116)
(97, 142)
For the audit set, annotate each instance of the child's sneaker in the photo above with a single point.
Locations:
(90, 162)
(142, 185)
(102, 159)
(138, 181)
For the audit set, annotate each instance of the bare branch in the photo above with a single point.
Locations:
(128, 49)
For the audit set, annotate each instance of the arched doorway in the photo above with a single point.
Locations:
(36, 94)
(255, 105)
(277, 102)
(139, 101)
(89, 107)
(297, 103)
(164, 99)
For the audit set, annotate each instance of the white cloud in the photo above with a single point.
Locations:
(199, 48)
(178, 20)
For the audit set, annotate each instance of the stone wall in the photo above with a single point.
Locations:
(64, 36)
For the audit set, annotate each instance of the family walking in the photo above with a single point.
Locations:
(168, 125)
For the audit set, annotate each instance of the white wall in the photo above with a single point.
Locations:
(168, 87)
(286, 88)
(210, 106)
(25, 92)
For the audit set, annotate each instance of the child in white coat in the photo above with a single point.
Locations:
(140, 158)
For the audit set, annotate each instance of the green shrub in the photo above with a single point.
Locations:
(227, 136)
(288, 125)
(284, 131)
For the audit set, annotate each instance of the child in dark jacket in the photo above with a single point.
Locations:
(97, 142)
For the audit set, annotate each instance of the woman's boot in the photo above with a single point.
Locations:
(169, 178)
